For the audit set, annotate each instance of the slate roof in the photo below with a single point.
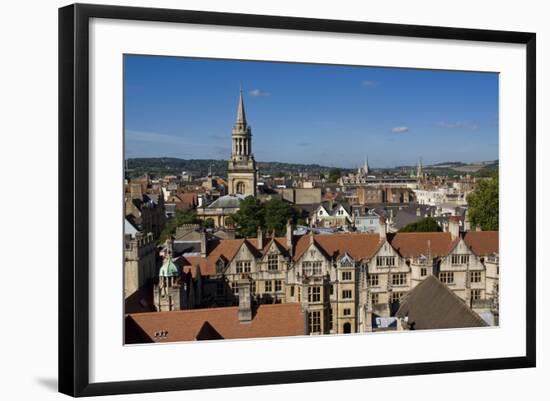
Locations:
(432, 305)
(273, 320)
(227, 201)
(130, 228)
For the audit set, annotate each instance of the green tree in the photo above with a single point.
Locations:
(277, 213)
(229, 221)
(269, 216)
(250, 216)
(483, 204)
(334, 174)
(181, 217)
(209, 223)
(425, 225)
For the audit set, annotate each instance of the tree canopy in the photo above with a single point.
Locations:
(277, 214)
(427, 224)
(249, 217)
(334, 174)
(483, 204)
(269, 216)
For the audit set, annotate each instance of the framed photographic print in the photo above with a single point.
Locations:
(310, 199)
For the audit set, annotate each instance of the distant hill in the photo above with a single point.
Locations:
(482, 168)
(161, 166)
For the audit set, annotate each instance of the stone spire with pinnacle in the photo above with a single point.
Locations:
(419, 172)
(241, 117)
(241, 170)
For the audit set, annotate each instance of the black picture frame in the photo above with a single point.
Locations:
(74, 201)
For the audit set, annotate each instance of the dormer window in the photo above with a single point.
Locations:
(220, 266)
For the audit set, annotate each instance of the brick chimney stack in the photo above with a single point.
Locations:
(289, 237)
(260, 238)
(383, 228)
(454, 226)
(245, 301)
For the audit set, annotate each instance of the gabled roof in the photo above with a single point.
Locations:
(279, 245)
(357, 245)
(417, 244)
(432, 305)
(215, 323)
(482, 243)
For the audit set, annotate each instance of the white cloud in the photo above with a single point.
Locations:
(258, 93)
(458, 124)
(142, 136)
(400, 129)
(369, 84)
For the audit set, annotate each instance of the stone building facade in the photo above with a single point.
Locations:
(343, 281)
(144, 206)
(140, 260)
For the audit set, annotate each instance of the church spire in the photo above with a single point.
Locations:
(419, 169)
(241, 118)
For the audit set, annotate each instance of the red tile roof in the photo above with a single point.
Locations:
(482, 243)
(416, 244)
(212, 323)
(357, 245)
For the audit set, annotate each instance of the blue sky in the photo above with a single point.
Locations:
(309, 113)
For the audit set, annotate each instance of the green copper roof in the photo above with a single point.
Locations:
(169, 269)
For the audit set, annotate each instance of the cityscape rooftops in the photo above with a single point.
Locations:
(273, 320)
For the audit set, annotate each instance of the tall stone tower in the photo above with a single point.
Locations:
(241, 171)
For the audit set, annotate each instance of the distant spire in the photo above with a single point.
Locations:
(241, 118)
(419, 168)
(366, 167)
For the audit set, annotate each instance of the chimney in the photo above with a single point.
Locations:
(245, 302)
(311, 237)
(383, 228)
(289, 237)
(454, 226)
(260, 239)
(203, 244)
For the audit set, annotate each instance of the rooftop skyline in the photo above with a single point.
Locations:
(309, 113)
